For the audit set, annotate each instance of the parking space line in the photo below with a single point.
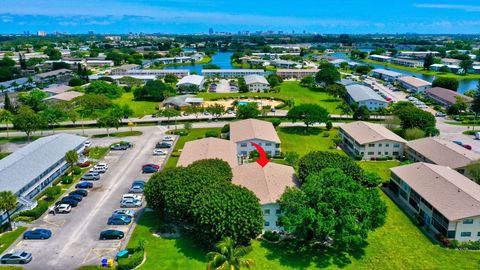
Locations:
(99, 253)
(57, 224)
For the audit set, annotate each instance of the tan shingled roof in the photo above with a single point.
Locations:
(208, 148)
(415, 82)
(364, 132)
(253, 129)
(268, 183)
(451, 193)
(442, 152)
(65, 96)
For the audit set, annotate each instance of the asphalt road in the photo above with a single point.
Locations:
(75, 236)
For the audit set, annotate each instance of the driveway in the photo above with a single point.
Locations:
(455, 133)
(75, 236)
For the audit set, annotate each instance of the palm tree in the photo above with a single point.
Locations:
(71, 157)
(8, 202)
(6, 117)
(229, 257)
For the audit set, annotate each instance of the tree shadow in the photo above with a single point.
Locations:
(302, 131)
(321, 257)
(331, 100)
(187, 246)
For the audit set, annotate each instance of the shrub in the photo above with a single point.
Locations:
(211, 133)
(470, 245)
(37, 211)
(67, 179)
(271, 236)
(325, 134)
(226, 128)
(276, 122)
(86, 152)
(443, 240)
(130, 262)
(329, 125)
(166, 228)
(76, 170)
(52, 191)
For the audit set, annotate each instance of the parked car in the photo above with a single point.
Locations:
(119, 220)
(154, 115)
(458, 142)
(37, 234)
(149, 170)
(138, 183)
(119, 147)
(71, 202)
(477, 135)
(151, 165)
(91, 176)
(130, 203)
(76, 197)
(81, 192)
(168, 139)
(97, 170)
(159, 152)
(101, 167)
(467, 146)
(124, 212)
(87, 144)
(439, 114)
(132, 196)
(111, 234)
(84, 185)
(61, 209)
(163, 145)
(19, 257)
(136, 189)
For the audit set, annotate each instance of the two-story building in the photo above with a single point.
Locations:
(413, 84)
(365, 96)
(244, 132)
(446, 201)
(440, 152)
(29, 170)
(256, 83)
(209, 148)
(370, 141)
(268, 183)
(386, 75)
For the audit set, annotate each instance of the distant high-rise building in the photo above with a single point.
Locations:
(210, 31)
(41, 33)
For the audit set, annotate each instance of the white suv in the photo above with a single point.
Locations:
(132, 197)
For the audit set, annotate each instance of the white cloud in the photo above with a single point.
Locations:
(469, 8)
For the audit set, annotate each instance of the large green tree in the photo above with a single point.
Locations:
(413, 117)
(445, 82)
(216, 110)
(309, 114)
(8, 202)
(110, 90)
(331, 205)
(155, 90)
(33, 99)
(327, 75)
(229, 256)
(71, 157)
(249, 110)
(27, 120)
(226, 210)
(6, 117)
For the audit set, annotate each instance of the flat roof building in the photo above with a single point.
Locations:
(365, 96)
(65, 96)
(296, 73)
(232, 73)
(386, 75)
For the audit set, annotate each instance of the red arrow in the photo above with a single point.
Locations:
(263, 160)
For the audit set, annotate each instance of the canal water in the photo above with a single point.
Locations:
(464, 84)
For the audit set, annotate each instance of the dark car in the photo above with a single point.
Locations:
(119, 147)
(155, 166)
(69, 201)
(37, 234)
(111, 234)
(84, 185)
(81, 192)
(163, 145)
(20, 257)
(75, 197)
(91, 176)
(154, 115)
(467, 146)
(149, 170)
(119, 220)
(138, 183)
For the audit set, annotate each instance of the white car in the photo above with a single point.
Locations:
(132, 197)
(87, 144)
(125, 212)
(159, 152)
(130, 203)
(101, 167)
(61, 209)
(168, 139)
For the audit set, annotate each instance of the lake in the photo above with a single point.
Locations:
(221, 59)
(464, 84)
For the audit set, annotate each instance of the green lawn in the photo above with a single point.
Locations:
(119, 134)
(7, 238)
(294, 139)
(140, 108)
(18, 139)
(4, 154)
(194, 134)
(380, 167)
(289, 90)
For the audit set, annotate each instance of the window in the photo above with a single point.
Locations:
(267, 224)
(268, 144)
(278, 211)
(395, 153)
(266, 211)
(371, 153)
(387, 145)
(478, 234)
(397, 145)
(386, 153)
(379, 153)
(466, 234)
(243, 144)
(379, 145)
(468, 221)
(371, 145)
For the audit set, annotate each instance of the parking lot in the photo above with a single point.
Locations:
(75, 240)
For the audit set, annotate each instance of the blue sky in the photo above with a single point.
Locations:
(193, 16)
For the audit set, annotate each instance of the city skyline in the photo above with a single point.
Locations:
(189, 16)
